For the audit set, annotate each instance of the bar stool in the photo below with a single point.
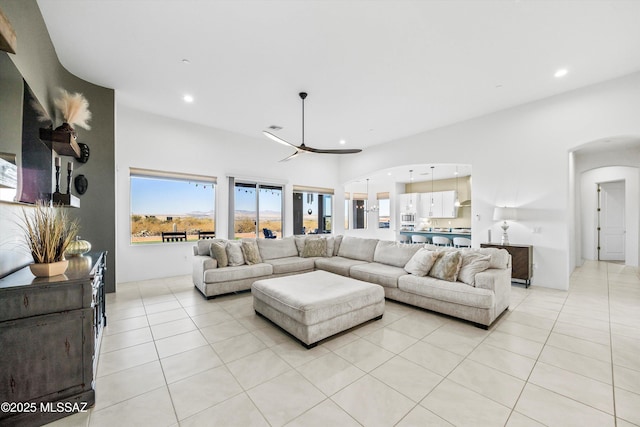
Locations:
(461, 242)
(441, 241)
(416, 238)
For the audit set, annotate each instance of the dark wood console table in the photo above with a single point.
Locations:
(50, 332)
(521, 260)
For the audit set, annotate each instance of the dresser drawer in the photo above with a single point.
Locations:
(24, 301)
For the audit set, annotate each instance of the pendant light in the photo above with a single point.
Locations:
(457, 202)
(410, 207)
(431, 207)
(373, 208)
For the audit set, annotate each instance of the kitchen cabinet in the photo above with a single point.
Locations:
(443, 205)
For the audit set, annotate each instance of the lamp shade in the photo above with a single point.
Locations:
(505, 214)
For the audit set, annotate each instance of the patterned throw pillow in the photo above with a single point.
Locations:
(421, 262)
(234, 253)
(314, 248)
(251, 252)
(447, 266)
(472, 264)
(218, 251)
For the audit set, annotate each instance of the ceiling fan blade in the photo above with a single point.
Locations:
(278, 139)
(294, 155)
(331, 151)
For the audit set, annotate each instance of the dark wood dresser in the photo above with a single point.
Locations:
(50, 332)
(521, 260)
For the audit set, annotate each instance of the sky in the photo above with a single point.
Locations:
(158, 196)
(151, 196)
(270, 200)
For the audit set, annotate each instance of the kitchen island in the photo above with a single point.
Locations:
(450, 233)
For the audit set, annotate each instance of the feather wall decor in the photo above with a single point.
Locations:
(74, 108)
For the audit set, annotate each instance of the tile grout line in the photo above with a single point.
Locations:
(613, 379)
(526, 382)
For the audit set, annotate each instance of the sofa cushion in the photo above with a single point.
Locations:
(331, 244)
(499, 257)
(380, 274)
(472, 263)
(314, 248)
(447, 266)
(202, 246)
(218, 251)
(237, 273)
(234, 253)
(250, 252)
(277, 248)
(392, 253)
(292, 264)
(421, 263)
(337, 264)
(336, 246)
(357, 248)
(453, 292)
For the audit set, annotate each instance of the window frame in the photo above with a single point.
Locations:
(176, 177)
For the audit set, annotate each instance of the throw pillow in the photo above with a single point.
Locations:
(251, 252)
(421, 262)
(331, 243)
(234, 253)
(447, 266)
(218, 251)
(314, 248)
(472, 264)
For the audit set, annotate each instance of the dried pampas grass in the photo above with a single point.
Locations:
(48, 232)
(74, 108)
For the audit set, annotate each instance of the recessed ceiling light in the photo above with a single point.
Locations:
(389, 173)
(342, 142)
(187, 99)
(561, 73)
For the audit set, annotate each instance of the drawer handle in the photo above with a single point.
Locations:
(13, 385)
(25, 301)
(67, 346)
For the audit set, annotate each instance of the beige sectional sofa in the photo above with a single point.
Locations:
(370, 260)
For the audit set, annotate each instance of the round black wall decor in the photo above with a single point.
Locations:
(81, 184)
(84, 152)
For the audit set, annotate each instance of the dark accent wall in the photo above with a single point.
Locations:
(38, 62)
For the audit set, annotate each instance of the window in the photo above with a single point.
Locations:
(257, 210)
(165, 202)
(312, 210)
(347, 202)
(384, 210)
(359, 208)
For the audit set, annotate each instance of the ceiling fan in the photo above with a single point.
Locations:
(304, 148)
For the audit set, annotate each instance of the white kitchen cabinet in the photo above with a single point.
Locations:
(440, 204)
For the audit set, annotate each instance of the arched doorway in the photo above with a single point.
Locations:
(613, 232)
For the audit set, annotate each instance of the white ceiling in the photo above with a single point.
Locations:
(375, 71)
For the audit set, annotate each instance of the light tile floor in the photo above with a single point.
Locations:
(170, 358)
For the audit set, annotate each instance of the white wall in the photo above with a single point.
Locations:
(588, 203)
(153, 142)
(519, 158)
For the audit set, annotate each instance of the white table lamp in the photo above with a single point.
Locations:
(505, 214)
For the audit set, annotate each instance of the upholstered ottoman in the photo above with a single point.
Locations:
(313, 306)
